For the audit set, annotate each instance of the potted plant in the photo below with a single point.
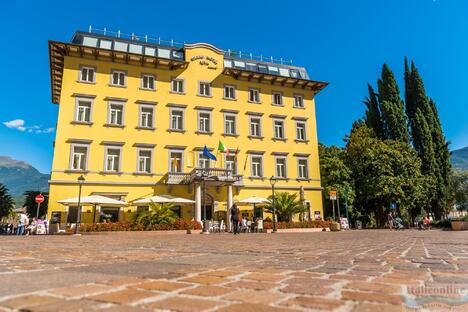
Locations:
(460, 224)
(190, 227)
(335, 226)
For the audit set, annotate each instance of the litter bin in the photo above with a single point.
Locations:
(358, 225)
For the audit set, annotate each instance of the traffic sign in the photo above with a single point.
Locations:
(393, 206)
(39, 198)
(332, 195)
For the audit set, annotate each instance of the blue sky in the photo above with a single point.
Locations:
(342, 42)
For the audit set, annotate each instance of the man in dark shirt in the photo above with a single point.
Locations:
(235, 219)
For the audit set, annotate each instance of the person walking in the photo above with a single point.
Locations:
(235, 219)
(390, 220)
(23, 218)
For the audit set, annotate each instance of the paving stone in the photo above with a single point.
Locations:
(125, 296)
(28, 301)
(208, 291)
(248, 307)
(81, 290)
(263, 277)
(182, 304)
(252, 285)
(162, 285)
(371, 307)
(124, 281)
(374, 287)
(315, 303)
(373, 297)
(219, 273)
(205, 279)
(255, 296)
(68, 306)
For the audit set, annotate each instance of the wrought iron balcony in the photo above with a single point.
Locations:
(214, 175)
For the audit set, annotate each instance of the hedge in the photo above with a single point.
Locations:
(179, 224)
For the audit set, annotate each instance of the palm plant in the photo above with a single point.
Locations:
(157, 214)
(287, 205)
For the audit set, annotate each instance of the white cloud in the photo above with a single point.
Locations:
(19, 124)
(15, 124)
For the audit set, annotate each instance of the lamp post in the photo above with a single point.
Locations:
(81, 180)
(272, 182)
(206, 225)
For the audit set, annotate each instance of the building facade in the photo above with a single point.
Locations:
(134, 117)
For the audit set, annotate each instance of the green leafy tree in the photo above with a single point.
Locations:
(335, 175)
(373, 116)
(31, 205)
(157, 214)
(6, 202)
(459, 189)
(287, 205)
(384, 172)
(392, 107)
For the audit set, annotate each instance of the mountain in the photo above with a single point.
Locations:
(19, 176)
(460, 158)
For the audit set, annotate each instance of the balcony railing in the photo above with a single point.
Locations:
(204, 174)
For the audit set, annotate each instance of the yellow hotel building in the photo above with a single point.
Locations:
(135, 114)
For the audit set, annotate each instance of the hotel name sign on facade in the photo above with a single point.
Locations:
(134, 118)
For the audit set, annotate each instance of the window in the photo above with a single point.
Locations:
(204, 88)
(144, 160)
(87, 74)
(254, 95)
(177, 118)
(204, 123)
(112, 159)
(280, 167)
(303, 168)
(301, 131)
(230, 163)
(298, 101)
(203, 161)
(146, 116)
(229, 92)
(257, 166)
(278, 126)
(229, 124)
(79, 157)
(255, 127)
(175, 161)
(277, 98)
(147, 82)
(177, 85)
(115, 114)
(118, 78)
(83, 110)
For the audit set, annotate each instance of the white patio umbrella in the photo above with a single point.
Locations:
(253, 200)
(93, 200)
(162, 199)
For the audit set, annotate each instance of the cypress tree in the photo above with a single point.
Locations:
(425, 124)
(373, 118)
(392, 107)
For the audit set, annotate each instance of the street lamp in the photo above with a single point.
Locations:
(81, 180)
(206, 225)
(273, 182)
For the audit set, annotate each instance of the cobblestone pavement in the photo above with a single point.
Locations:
(374, 271)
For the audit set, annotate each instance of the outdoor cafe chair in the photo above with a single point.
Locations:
(259, 226)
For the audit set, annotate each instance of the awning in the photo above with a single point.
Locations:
(254, 200)
(93, 200)
(161, 199)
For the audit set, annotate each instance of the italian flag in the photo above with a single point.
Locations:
(222, 148)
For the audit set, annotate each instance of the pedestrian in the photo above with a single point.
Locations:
(23, 218)
(390, 220)
(235, 219)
